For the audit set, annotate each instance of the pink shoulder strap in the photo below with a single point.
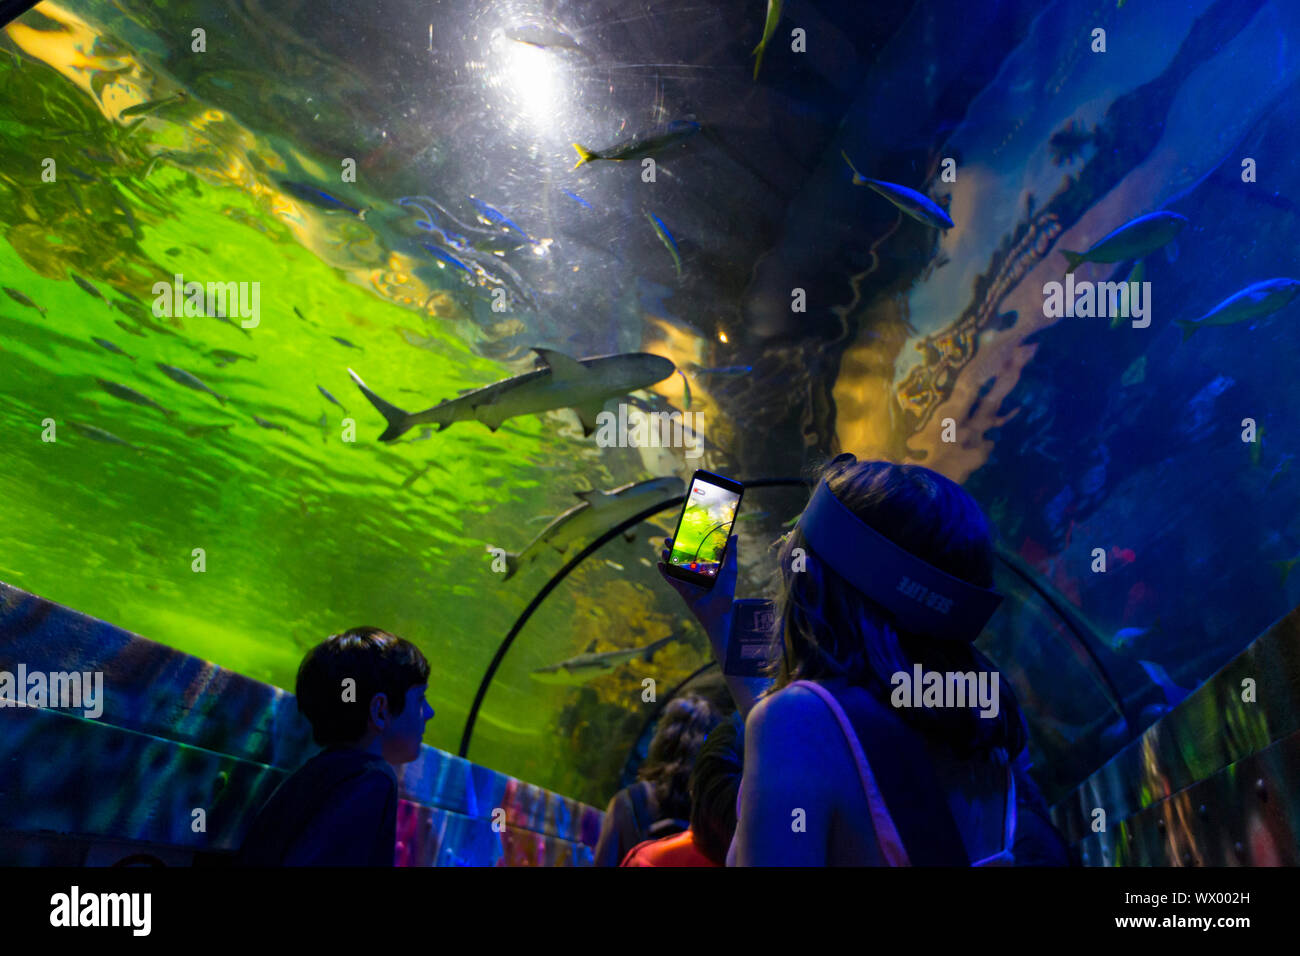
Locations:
(891, 845)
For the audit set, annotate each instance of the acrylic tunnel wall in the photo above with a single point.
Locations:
(386, 193)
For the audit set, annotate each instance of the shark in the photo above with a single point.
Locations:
(578, 670)
(560, 381)
(596, 512)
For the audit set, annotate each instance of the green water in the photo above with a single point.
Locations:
(303, 532)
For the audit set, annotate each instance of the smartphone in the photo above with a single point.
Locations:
(704, 528)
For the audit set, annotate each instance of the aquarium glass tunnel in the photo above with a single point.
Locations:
(1048, 249)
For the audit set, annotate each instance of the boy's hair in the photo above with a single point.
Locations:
(379, 662)
(685, 723)
(827, 628)
(715, 782)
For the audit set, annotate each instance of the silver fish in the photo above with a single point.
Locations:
(331, 398)
(598, 511)
(908, 201)
(265, 424)
(1253, 302)
(183, 377)
(578, 670)
(201, 431)
(90, 289)
(581, 384)
(21, 299)
(1133, 240)
(106, 344)
(98, 434)
(121, 391)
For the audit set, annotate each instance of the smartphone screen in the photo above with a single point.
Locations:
(704, 527)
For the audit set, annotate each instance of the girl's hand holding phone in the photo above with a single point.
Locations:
(711, 606)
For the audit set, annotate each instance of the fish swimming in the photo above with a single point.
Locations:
(346, 343)
(769, 30)
(495, 217)
(1125, 638)
(1173, 693)
(200, 431)
(580, 669)
(150, 105)
(563, 382)
(1253, 302)
(545, 38)
(265, 424)
(98, 434)
(321, 200)
(442, 255)
(23, 300)
(90, 289)
(304, 318)
(128, 330)
(109, 346)
(1133, 240)
(642, 145)
(667, 239)
(118, 390)
(576, 198)
(908, 201)
(225, 357)
(598, 511)
(182, 377)
(331, 398)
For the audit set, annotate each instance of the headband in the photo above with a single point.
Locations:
(922, 599)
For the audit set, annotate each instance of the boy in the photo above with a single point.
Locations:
(363, 692)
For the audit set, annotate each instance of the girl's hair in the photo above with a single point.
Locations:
(827, 628)
(715, 781)
(379, 662)
(682, 729)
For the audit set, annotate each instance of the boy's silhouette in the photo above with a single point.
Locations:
(340, 807)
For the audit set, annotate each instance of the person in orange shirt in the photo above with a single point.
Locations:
(715, 782)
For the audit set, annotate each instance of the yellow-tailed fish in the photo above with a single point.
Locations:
(667, 239)
(908, 201)
(640, 145)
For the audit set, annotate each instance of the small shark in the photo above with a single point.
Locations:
(597, 512)
(580, 669)
(563, 382)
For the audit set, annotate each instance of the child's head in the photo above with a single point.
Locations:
(715, 781)
(685, 723)
(384, 703)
